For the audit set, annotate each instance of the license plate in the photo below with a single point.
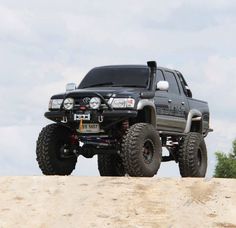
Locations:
(89, 128)
(82, 116)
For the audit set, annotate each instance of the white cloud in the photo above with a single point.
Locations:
(224, 131)
(11, 21)
(17, 150)
(219, 72)
(214, 81)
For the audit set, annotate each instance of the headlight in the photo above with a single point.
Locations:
(68, 103)
(95, 102)
(122, 102)
(55, 103)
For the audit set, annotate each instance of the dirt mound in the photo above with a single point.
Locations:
(116, 202)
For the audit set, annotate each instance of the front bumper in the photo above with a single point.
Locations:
(120, 113)
(107, 115)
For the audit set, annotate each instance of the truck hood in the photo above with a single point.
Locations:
(106, 92)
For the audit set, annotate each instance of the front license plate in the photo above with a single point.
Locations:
(82, 116)
(89, 128)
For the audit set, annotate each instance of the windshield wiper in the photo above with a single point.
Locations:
(100, 84)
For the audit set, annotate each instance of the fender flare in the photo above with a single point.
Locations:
(194, 114)
(150, 104)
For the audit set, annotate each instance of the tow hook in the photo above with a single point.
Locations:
(100, 119)
(64, 119)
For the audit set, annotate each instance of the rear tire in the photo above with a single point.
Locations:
(50, 142)
(141, 150)
(193, 156)
(110, 165)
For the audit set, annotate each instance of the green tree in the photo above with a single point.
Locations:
(226, 164)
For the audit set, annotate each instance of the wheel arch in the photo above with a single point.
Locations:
(147, 112)
(194, 122)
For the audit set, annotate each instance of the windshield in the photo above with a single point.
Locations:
(116, 76)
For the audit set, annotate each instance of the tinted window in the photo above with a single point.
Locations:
(116, 76)
(173, 86)
(160, 76)
(184, 85)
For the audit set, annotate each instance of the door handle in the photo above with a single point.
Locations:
(169, 101)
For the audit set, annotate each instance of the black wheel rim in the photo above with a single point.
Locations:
(148, 151)
(63, 150)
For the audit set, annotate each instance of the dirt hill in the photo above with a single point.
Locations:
(116, 202)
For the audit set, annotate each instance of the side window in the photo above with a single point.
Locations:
(173, 86)
(184, 85)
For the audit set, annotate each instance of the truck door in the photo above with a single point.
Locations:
(162, 106)
(177, 103)
(185, 92)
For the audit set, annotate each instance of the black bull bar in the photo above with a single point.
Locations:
(85, 94)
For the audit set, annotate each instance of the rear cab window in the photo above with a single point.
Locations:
(173, 84)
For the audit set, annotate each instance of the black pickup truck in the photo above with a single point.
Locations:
(125, 115)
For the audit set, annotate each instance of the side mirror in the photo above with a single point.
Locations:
(70, 87)
(163, 85)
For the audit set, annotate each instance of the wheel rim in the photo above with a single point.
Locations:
(64, 152)
(148, 151)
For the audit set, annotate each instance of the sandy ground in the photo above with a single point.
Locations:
(116, 202)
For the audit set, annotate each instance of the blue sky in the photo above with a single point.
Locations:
(46, 44)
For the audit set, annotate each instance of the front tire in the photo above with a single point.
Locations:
(110, 165)
(51, 141)
(141, 150)
(193, 156)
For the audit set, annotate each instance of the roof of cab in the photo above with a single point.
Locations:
(131, 66)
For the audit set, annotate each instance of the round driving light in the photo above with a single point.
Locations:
(68, 103)
(95, 102)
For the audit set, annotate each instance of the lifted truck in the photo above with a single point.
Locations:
(125, 114)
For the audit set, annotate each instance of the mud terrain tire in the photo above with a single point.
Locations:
(141, 150)
(50, 141)
(193, 156)
(110, 165)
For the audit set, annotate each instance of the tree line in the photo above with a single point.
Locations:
(226, 163)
